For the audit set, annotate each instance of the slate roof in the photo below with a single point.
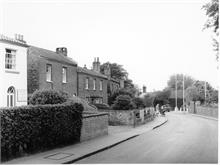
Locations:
(90, 72)
(51, 55)
(13, 41)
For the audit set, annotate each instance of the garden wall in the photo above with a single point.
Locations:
(94, 125)
(203, 110)
(130, 117)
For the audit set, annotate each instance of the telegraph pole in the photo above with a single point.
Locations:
(176, 108)
(183, 94)
(205, 92)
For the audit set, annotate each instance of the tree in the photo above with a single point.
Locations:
(212, 11)
(117, 71)
(162, 97)
(188, 81)
(148, 100)
(192, 94)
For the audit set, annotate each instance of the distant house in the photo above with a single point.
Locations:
(13, 71)
(51, 70)
(92, 85)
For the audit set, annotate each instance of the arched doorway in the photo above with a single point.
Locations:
(11, 97)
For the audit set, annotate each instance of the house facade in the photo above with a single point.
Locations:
(51, 70)
(13, 71)
(92, 85)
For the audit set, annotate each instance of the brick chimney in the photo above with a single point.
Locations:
(61, 50)
(20, 38)
(107, 71)
(96, 65)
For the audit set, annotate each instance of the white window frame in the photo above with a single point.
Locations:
(87, 83)
(10, 59)
(100, 85)
(64, 74)
(94, 84)
(48, 73)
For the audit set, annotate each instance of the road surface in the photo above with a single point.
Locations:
(183, 139)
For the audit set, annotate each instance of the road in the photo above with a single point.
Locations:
(183, 139)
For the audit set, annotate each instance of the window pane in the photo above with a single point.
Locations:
(64, 70)
(48, 72)
(10, 59)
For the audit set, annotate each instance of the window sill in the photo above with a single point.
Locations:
(11, 71)
(64, 82)
(49, 81)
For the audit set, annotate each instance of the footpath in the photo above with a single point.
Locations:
(73, 153)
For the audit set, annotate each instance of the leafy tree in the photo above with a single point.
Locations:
(192, 94)
(139, 102)
(117, 71)
(212, 11)
(148, 100)
(188, 81)
(123, 102)
(162, 97)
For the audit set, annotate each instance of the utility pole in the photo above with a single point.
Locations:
(176, 108)
(205, 92)
(183, 94)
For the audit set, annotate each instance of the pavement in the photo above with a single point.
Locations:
(76, 152)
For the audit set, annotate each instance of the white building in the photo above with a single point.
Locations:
(13, 71)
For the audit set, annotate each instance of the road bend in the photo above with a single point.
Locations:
(183, 139)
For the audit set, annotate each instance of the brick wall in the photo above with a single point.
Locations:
(94, 125)
(84, 93)
(127, 117)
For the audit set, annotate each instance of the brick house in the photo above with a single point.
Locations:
(51, 70)
(92, 85)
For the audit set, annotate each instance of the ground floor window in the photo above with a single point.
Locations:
(11, 97)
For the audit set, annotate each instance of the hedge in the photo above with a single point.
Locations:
(101, 106)
(29, 129)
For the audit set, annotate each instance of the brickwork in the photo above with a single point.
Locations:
(94, 125)
(87, 93)
(37, 74)
(127, 117)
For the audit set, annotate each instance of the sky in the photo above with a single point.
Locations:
(152, 39)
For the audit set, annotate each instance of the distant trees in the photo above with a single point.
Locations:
(188, 81)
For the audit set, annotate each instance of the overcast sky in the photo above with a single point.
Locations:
(151, 39)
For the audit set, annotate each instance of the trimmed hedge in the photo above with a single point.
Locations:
(28, 129)
(123, 102)
(50, 96)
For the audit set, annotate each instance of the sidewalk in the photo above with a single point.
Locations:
(70, 154)
(207, 117)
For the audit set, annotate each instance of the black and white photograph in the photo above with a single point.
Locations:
(109, 81)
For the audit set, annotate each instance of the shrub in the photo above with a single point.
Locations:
(123, 102)
(41, 97)
(29, 129)
(139, 103)
(102, 106)
(86, 106)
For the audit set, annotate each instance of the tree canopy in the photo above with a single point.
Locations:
(212, 11)
(117, 71)
(188, 81)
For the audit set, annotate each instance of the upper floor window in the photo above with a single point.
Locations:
(49, 72)
(100, 85)
(94, 84)
(10, 59)
(87, 83)
(64, 73)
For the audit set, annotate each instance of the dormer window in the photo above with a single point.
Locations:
(10, 59)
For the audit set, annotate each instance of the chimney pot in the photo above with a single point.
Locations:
(61, 50)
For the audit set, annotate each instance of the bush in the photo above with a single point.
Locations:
(86, 106)
(123, 102)
(42, 97)
(28, 129)
(139, 103)
(102, 106)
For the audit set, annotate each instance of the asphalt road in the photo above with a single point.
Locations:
(183, 139)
